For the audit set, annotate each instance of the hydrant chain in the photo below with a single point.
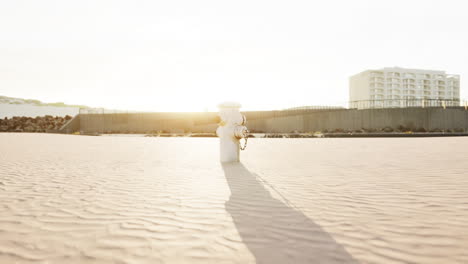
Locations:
(245, 144)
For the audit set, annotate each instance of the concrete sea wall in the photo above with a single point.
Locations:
(427, 119)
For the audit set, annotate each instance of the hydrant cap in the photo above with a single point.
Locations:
(229, 105)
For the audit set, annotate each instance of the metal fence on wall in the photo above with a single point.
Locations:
(406, 103)
(361, 104)
(103, 111)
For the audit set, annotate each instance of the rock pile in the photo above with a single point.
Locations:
(28, 124)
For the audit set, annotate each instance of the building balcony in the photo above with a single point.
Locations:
(377, 91)
(376, 74)
(393, 74)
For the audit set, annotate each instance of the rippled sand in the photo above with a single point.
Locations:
(79, 199)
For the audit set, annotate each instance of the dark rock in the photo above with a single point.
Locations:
(402, 128)
(29, 129)
(387, 129)
(29, 124)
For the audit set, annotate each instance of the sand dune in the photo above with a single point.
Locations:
(78, 199)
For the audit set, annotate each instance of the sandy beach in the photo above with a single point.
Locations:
(84, 199)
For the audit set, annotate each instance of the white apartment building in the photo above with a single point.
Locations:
(400, 87)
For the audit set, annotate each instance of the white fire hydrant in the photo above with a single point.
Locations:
(231, 129)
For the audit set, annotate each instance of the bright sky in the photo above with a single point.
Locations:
(191, 55)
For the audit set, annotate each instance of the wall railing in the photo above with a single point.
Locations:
(406, 103)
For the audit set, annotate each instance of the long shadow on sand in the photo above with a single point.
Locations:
(273, 231)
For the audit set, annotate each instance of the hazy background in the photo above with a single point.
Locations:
(190, 55)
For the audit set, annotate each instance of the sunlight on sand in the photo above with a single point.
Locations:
(80, 199)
